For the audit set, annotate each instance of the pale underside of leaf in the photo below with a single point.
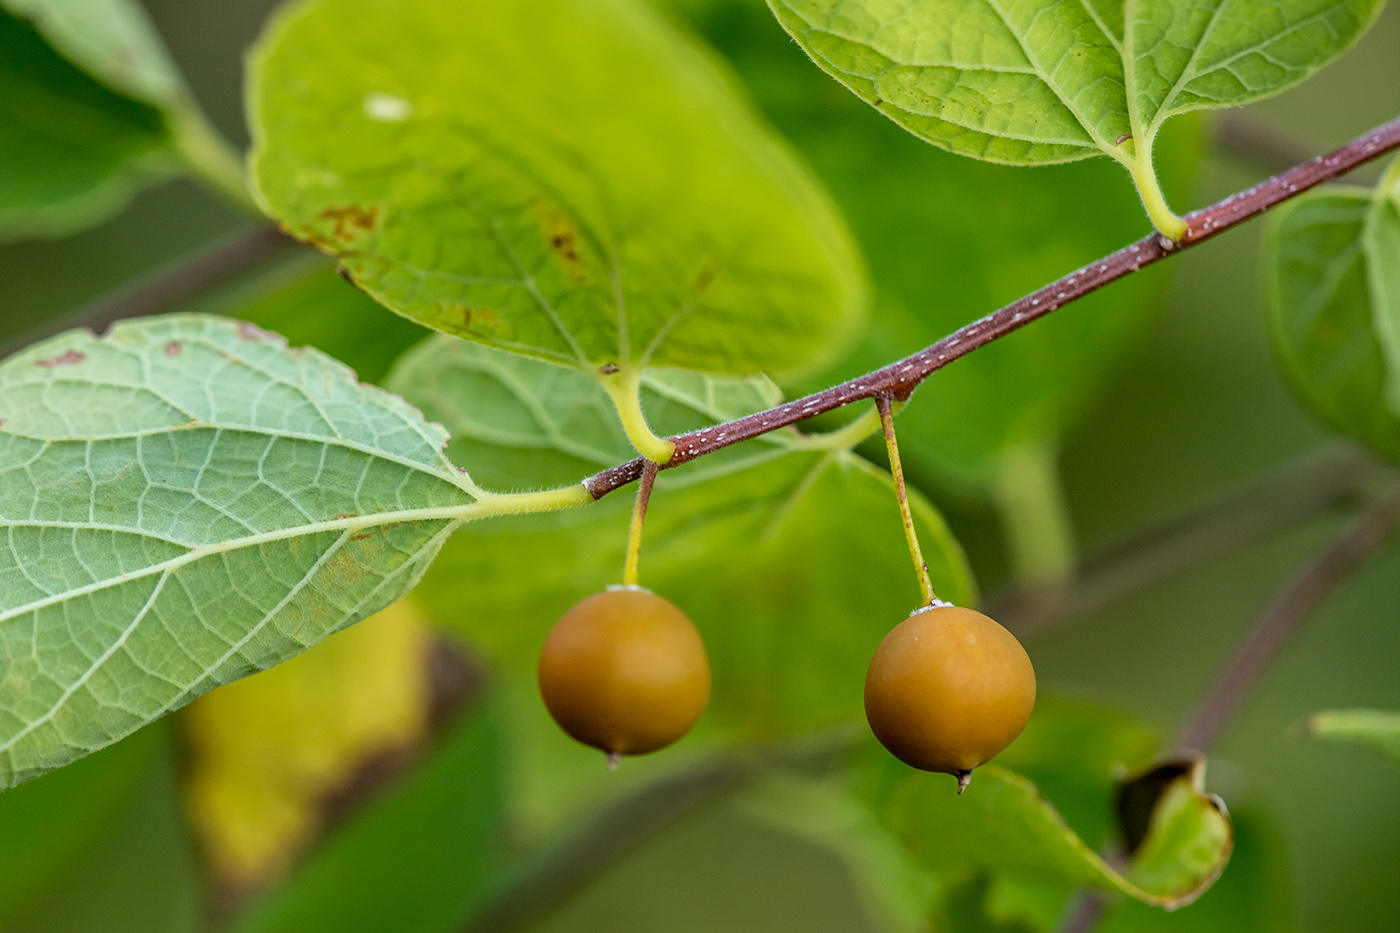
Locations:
(517, 421)
(185, 501)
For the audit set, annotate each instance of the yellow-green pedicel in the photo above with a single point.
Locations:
(948, 689)
(624, 671)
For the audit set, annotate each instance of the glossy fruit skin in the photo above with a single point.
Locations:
(624, 671)
(948, 689)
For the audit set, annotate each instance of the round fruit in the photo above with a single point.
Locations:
(948, 689)
(625, 672)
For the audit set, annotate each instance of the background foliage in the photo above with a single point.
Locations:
(1185, 405)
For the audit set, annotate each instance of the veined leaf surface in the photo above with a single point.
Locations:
(568, 179)
(1042, 81)
(185, 501)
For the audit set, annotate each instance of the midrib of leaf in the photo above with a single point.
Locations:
(1336, 270)
(202, 551)
(453, 475)
(1040, 73)
(1127, 54)
(606, 245)
(961, 67)
(1164, 110)
(1339, 265)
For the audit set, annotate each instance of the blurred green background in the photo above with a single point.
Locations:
(1198, 408)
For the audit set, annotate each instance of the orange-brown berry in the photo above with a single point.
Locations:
(948, 689)
(624, 671)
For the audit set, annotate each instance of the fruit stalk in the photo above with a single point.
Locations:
(927, 596)
(632, 565)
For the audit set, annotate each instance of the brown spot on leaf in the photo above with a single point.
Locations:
(475, 320)
(66, 358)
(173, 348)
(563, 240)
(1122, 139)
(607, 369)
(703, 279)
(349, 222)
(248, 331)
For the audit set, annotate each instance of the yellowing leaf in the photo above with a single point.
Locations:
(267, 751)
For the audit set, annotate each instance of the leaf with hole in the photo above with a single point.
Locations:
(1045, 81)
(574, 181)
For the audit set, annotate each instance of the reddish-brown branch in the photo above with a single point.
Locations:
(1298, 601)
(182, 279)
(899, 379)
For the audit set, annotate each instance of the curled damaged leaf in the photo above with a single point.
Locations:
(1374, 729)
(1179, 837)
(1004, 826)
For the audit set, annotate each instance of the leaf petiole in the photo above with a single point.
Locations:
(1167, 221)
(624, 387)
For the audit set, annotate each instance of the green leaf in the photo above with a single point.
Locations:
(566, 179)
(1380, 242)
(112, 40)
(1318, 289)
(417, 860)
(518, 422)
(115, 43)
(140, 874)
(1040, 82)
(186, 501)
(1255, 894)
(74, 150)
(1373, 728)
(777, 535)
(950, 239)
(51, 824)
(1004, 824)
(823, 810)
(307, 303)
